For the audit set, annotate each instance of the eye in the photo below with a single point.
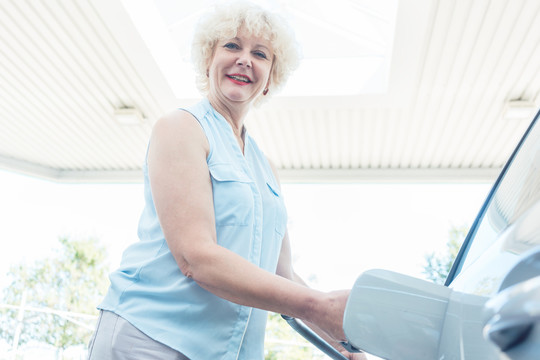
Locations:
(232, 46)
(260, 54)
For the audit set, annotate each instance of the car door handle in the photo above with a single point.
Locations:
(513, 313)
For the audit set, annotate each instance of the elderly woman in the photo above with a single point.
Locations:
(213, 254)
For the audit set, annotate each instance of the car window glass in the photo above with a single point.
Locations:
(517, 191)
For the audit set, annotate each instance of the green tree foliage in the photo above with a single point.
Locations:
(438, 266)
(60, 295)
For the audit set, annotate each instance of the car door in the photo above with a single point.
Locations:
(504, 237)
(489, 307)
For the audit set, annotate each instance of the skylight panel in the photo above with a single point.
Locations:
(346, 44)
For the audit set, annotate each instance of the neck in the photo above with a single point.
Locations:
(234, 115)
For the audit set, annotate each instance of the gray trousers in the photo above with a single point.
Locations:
(116, 339)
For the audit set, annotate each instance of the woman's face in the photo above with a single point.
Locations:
(240, 68)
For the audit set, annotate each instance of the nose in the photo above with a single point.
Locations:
(244, 60)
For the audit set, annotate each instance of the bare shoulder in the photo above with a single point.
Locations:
(177, 121)
(177, 128)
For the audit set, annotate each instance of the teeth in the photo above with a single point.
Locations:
(239, 78)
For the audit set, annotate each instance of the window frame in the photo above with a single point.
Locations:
(463, 251)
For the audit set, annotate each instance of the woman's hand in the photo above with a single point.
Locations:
(329, 315)
(332, 323)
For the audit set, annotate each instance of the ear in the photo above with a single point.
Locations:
(270, 76)
(265, 91)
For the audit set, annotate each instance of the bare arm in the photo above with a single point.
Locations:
(182, 192)
(285, 268)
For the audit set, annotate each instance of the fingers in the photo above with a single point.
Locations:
(354, 356)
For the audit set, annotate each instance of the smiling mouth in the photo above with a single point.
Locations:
(240, 78)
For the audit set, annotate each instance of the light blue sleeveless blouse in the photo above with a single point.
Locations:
(149, 290)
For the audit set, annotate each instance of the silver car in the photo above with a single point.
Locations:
(489, 307)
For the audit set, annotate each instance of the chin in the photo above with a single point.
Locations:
(239, 98)
(237, 93)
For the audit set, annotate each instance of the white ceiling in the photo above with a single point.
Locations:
(65, 66)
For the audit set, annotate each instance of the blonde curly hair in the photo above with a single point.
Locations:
(225, 21)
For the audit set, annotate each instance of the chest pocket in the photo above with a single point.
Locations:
(233, 195)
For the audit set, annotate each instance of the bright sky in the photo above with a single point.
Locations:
(337, 231)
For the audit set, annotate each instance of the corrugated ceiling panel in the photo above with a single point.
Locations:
(475, 58)
(64, 72)
(507, 65)
(322, 134)
(65, 85)
(355, 138)
(418, 129)
(68, 72)
(469, 93)
(454, 63)
(442, 93)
